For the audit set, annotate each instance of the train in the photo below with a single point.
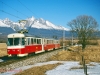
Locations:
(20, 44)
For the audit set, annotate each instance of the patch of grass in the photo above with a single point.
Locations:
(39, 70)
(81, 67)
(91, 54)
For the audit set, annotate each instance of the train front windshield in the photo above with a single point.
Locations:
(15, 41)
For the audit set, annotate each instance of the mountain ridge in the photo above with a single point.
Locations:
(31, 22)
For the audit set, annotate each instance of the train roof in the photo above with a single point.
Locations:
(19, 35)
(26, 35)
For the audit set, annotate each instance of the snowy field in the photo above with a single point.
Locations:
(63, 69)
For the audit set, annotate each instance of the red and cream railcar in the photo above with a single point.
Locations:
(21, 44)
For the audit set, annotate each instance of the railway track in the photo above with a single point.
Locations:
(8, 60)
(11, 63)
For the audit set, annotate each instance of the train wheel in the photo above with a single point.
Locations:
(14, 55)
(30, 54)
(46, 50)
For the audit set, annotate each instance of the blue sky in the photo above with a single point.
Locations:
(59, 12)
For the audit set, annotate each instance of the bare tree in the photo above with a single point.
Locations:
(84, 26)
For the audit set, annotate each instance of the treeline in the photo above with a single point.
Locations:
(68, 42)
(3, 38)
(3, 41)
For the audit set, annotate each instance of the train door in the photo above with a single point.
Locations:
(28, 44)
(39, 45)
(57, 45)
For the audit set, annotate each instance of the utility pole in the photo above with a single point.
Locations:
(63, 38)
(72, 38)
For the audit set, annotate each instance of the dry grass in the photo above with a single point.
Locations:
(91, 54)
(3, 45)
(81, 67)
(3, 49)
(65, 56)
(39, 70)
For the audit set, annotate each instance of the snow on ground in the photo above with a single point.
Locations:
(1, 60)
(64, 69)
(11, 72)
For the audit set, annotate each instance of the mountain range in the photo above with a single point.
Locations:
(37, 27)
(34, 23)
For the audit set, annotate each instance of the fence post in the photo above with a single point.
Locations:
(86, 70)
(85, 67)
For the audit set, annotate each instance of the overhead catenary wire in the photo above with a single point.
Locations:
(27, 8)
(10, 14)
(14, 9)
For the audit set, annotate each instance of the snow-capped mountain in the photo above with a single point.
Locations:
(30, 22)
(2, 24)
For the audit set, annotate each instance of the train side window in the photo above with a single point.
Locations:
(35, 41)
(45, 41)
(48, 41)
(32, 41)
(28, 41)
(38, 41)
(53, 41)
(23, 41)
(57, 41)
